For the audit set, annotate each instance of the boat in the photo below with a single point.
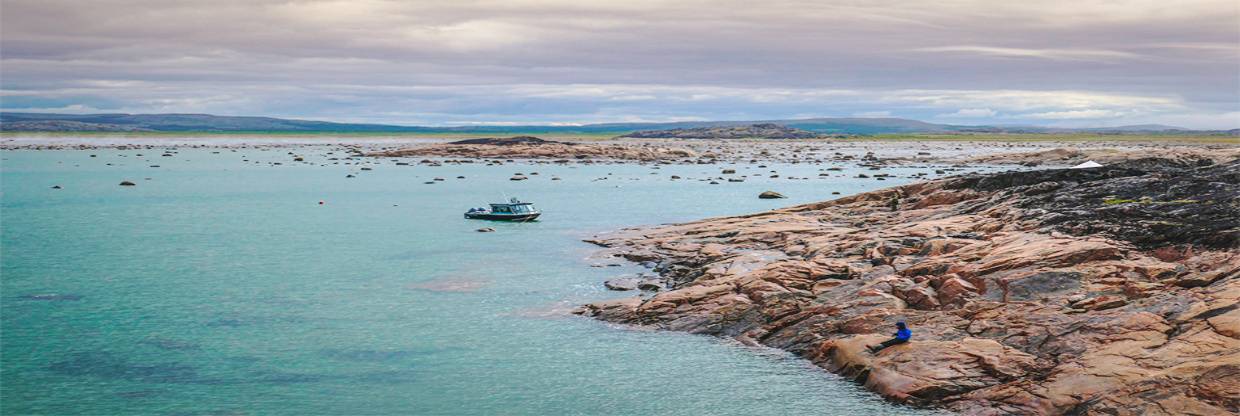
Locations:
(513, 210)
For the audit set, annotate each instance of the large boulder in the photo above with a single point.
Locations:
(622, 284)
(956, 291)
(771, 195)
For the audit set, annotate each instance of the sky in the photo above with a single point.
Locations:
(459, 62)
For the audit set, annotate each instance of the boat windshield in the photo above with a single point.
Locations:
(512, 209)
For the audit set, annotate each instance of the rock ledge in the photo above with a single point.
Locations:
(1110, 290)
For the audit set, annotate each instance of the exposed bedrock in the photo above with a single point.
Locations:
(1110, 290)
(527, 147)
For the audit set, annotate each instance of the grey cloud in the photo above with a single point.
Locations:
(477, 61)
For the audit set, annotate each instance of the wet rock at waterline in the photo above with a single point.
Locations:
(622, 284)
(771, 195)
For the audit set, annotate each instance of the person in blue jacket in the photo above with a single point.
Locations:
(902, 336)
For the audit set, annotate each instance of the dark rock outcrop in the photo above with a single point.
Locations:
(509, 141)
(1147, 202)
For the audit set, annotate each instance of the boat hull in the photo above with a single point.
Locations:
(502, 217)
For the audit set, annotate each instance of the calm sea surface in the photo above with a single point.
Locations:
(220, 285)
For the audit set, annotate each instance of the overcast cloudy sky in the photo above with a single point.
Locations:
(1067, 63)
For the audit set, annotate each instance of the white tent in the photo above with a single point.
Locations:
(1086, 165)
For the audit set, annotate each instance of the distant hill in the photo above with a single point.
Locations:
(178, 122)
(752, 131)
(46, 122)
(1140, 128)
(869, 125)
(851, 125)
(66, 125)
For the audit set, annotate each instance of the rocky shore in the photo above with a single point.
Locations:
(525, 147)
(868, 153)
(1069, 156)
(1112, 290)
(872, 153)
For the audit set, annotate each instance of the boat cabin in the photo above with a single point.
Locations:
(515, 207)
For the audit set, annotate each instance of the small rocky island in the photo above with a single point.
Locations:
(753, 131)
(1112, 290)
(509, 141)
(528, 147)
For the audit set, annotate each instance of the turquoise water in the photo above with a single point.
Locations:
(220, 285)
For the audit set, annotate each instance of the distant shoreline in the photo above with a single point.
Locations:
(1051, 150)
(1159, 138)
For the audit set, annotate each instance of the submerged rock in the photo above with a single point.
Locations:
(52, 297)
